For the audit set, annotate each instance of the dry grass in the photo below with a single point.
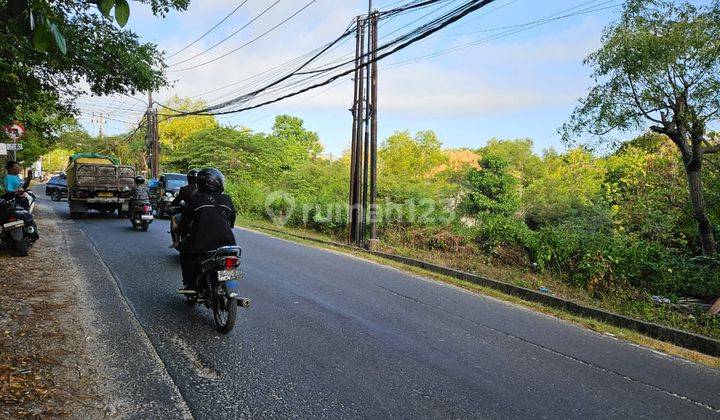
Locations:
(43, 369)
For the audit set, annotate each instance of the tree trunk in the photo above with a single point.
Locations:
(715, 309)
(697, 198)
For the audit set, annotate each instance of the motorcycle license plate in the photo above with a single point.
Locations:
(12, 225)
(146, 217)
(105, 194)
(228, 275)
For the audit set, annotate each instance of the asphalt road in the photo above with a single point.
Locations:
(330, 335)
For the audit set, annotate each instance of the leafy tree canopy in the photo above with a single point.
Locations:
(659, 66)
(174, 130)
(491, 189)
(523, 162)
(47, 48)
(298, 143)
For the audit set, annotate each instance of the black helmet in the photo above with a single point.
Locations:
(192, 176)
(139, 179)
(210, 180)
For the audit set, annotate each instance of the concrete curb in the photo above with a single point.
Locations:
(692, 341)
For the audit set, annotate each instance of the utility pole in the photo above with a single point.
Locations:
(100, 120)
(373, 130)
(353, 144)
(363, 148)
(366, 142)
(355, 211)
(152, 138)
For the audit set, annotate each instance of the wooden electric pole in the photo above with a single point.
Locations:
(373, 129)
(151, 137)
(356, 163)
(100, 120)
(363, 147)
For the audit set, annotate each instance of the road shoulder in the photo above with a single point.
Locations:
(117, 372)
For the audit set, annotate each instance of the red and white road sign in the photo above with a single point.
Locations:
(14, 130)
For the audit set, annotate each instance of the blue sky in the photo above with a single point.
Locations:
(522, 85)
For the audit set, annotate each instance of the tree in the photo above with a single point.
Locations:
(490, 189)
(569, 188)
(522, 161)
(411, 157)
(56, 160)
(174, 130)
(298, 144)
(234, 152)
(48, 47)
(408, 166)
(659, 66)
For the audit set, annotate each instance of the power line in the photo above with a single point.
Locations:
(208, 31)
(267, 9)
(277, 70)
(347, 33)
(512, 30)
(137, 99)
(391, 13)
(247, 43)
(271, 71)
(399, 43)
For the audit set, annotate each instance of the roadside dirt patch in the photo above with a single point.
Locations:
(45, 366)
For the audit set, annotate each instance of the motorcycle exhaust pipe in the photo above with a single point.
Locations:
(243, 302)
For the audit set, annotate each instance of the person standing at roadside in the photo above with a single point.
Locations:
(12, 180)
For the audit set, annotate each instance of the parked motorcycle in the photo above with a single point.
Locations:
(17, 226)
(218, 286)
(142, 216)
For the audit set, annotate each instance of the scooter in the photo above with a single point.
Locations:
(218, 285)
(17, 226)
(142, 216)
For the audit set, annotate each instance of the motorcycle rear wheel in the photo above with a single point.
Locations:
(144, 227)
(224, 310)
(23, 246)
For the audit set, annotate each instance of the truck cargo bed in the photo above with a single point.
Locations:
(98, 177)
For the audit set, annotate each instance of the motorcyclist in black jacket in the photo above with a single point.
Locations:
(207, 220)
(188, 190)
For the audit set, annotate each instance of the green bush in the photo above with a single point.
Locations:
(492, 232)
(607, 261)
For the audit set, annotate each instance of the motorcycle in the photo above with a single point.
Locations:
(218, 286)
(142, 216)
(163, 204)
(17, 226)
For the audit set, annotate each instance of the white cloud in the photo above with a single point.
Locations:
(502, 76)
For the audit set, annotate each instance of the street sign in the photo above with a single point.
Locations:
(13, 146)
(3, 149)
(14, 131)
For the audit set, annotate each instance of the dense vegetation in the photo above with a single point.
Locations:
(635, 219)
(52, 51)
(604, 223)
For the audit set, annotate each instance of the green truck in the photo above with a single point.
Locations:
(98, 182)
